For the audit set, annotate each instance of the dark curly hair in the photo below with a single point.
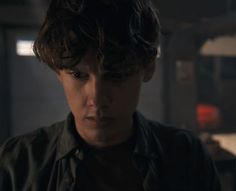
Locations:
(123, 33)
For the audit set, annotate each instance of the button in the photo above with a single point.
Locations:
(67, 183)
(68, 180)
(79, 154)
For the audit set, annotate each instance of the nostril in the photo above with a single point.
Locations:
(101, 101)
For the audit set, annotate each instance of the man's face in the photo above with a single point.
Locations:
(102, 105)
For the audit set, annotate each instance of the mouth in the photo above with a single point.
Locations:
(99, 120)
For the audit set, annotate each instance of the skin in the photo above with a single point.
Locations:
(102, 106)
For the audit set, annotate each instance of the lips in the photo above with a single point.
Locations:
(99, 120)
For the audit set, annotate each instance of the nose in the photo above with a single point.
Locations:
(97, 96)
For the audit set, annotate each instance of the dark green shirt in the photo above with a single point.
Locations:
(52, 159)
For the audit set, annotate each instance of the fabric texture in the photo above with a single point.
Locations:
(50, 159)
(110, 168)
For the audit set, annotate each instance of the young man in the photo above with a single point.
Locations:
(101, 52)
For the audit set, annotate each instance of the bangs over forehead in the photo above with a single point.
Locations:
(122, 33)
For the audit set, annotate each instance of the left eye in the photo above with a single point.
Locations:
(115, 77)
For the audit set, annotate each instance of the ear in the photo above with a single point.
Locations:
(148, 71)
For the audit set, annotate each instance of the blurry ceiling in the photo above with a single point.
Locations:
(192, 10)
(184, 13)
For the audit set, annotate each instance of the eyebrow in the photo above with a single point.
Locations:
(80, 67)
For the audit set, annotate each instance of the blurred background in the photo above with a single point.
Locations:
(194, 86)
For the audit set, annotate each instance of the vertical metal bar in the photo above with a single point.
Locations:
(165, 79)
(229, 6)
(4, 93)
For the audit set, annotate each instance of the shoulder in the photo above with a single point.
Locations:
(37, 142)
(167, 135)
(174, 142)
(181, 147)
(171, 135)
(184, 157)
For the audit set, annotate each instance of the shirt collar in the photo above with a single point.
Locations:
(147, 142)
(67, 139)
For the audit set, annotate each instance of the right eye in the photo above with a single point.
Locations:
(79, 75)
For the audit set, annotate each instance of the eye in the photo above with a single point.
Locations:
(79, 75)
(115, 77)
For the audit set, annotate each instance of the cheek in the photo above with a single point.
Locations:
(127, 97)
(74, 95)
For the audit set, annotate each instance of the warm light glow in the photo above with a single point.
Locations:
(208, 116)
(24, 48)
(220, 46)
(227, 141)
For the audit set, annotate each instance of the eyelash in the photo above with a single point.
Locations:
(79, 75)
